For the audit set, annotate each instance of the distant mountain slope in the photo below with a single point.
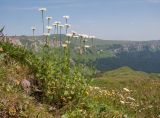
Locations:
(109, 55)
(146, 60)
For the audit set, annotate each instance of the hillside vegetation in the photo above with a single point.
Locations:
(14, 102)
(61, 88)
(138, 92)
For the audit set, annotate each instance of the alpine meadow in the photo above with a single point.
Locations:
(101, 59)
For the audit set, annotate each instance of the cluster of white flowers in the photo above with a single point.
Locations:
(56, 24)
(58, 27)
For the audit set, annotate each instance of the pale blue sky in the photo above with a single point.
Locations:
(106, 19)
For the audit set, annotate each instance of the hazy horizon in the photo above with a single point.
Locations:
(106, 19)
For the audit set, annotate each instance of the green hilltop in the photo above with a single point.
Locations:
(122, 77)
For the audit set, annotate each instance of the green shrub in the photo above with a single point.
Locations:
(59, 82)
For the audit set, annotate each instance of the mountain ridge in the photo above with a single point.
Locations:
(110, 54)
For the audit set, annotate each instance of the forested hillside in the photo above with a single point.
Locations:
(109, 55)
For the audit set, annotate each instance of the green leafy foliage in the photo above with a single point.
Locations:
(59, 82)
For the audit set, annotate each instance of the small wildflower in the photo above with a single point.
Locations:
(69, 97)
(42, 9)
(76, 36)
(67, 42)
(90, 88)
(125, 89)
(57, 22)
(33, 28)
(125, 116)
(69, 35)
(80, 35)
(121, 96)
(101, 50)
(61, 26)
(67, 25)
(85, 36)
(87, 46)
(150, 106)
(122, 102)
(54, 24)
(46, 34)
(74, 33)
(64, 45)
(52, 108)
(66, 17)
(87, 93)
(49, 27)
(12, 111)
(97, 88)
(130, 98)
(48, 18)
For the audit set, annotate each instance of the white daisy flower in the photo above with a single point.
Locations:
(87, 46)
(64, 45)
(69, 35)
(46, 34)
(85, 36)
(42, 9)
(67, 42)
(54, 24)
(76, 36)
(33, 28)
(66, 17)
(57, 22)
(80, 35)
(61, 26)
(49, 27)
(49, 18)
(74, 33)
(67, 25)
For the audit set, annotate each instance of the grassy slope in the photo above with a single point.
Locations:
(122, 77)
(13, 101)
(144, 88)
